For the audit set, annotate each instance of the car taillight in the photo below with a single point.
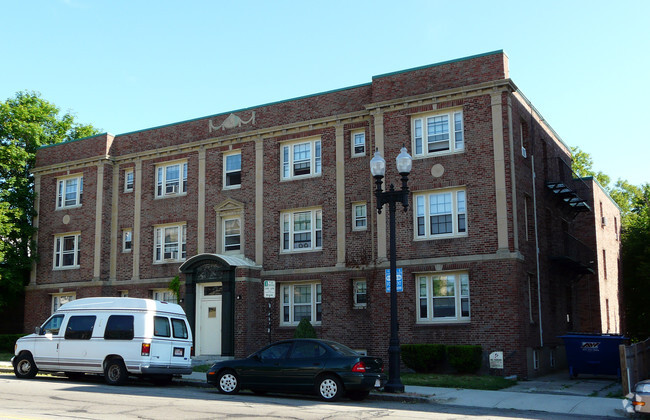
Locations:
(359, 367)
(146, 349)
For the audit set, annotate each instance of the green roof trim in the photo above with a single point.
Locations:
(72, 141)
(427, 66)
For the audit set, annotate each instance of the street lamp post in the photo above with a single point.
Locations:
(392, 197)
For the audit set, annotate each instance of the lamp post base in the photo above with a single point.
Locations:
(394, 388)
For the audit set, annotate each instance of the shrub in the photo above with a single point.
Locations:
(7, 342)
(304, 330)
(465, 359)
(423, 358)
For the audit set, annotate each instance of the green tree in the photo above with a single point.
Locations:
(627, 196)
(582, 165)
(635, 263)
(27, 122)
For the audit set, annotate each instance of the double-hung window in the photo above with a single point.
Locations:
(58, 300)
(442, 297)
(170, 243)
(438, 133)
(302, 230)
(164, 295)
(127, 240)
(69, 192)
(232, 170)
(128, 180)
(171, 179)
(232, 234)
(440, 214)
(358, 143)
(66, 251)
(359, 293)
(301, 159)
(301, 301)
(359, 216)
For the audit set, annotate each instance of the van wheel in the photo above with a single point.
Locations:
(24, 367)
(115, 372)
(228, 382)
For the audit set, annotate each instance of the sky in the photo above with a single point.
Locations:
(124, 66)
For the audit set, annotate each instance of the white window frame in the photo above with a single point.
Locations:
(288, 304)
(288, 158)
(124, 293)
(159, 250)
(456, 207)
(359, 218)
(59, 299)
(227, 172)
(288, 230)
(163, 295)
(61, 192)
(454, 134)
(162, 184)
(356, 284)
(225, 235)
(127, 234)
(354, 136)
(59, 252)
(424, 287)
(128, 184)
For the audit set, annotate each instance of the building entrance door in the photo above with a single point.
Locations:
(209, 317)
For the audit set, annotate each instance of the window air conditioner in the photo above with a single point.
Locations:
(603, 221)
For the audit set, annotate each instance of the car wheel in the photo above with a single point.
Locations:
(115, 372)
(358, 395)
(228, 382)
(24, 367)
(329, 388)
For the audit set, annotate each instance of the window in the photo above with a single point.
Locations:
(128, 180)
(307, 350)
(124, 293)
(275, 352)
(61, 299)
(358, 143)
(170, 243)
(302, 230)
(359, 216)
(301, 301)
(359, 293)
(163, 295)
(127, 240)
(161, 326)
(67, 250)
(69, 192)
(171, 179)
(52, 326)
(440, 214)
(231, 234)
(80, 327)
(119, 327)
(443, 297)
(439, 133)
(536, 359)
(232, 170)
(179, 328)
(301, 159)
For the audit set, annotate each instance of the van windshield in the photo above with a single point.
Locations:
(52, 325)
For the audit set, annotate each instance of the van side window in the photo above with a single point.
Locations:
(179, 327)
(119, 327)
(80, 327)
(161, 326)
(52, 326)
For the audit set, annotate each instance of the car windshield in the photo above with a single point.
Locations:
(341, 349)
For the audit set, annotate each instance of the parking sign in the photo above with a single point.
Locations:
(398, 277)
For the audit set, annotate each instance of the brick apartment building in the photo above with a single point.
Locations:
(283, 192)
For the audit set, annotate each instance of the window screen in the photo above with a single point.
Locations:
(119, 327)
(80, 327)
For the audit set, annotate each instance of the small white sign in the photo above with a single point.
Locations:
(496, 360)
(269, 289)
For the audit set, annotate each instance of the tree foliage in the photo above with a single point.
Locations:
(582, 165)
(27, 122)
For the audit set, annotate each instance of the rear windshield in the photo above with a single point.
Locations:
(119, 327)
(341, 349)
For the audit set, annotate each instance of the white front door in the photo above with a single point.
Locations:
(209, 317)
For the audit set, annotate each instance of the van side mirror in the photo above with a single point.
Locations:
(38, 331)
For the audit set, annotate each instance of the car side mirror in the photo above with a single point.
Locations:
(38, 331)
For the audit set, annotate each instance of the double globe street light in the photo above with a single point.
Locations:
(392, 197)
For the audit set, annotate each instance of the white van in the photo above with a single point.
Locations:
(116, 337)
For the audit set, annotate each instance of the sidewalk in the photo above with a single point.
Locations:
(550, 394)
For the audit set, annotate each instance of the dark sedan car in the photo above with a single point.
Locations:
(325, 367)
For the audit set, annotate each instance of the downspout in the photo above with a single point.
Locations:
(539, 289)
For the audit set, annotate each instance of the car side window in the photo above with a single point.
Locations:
(52, 326)
(119, 327)
(278, 351)
(179, 328)
(161, 326)
(80, 327)
(307, 350)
